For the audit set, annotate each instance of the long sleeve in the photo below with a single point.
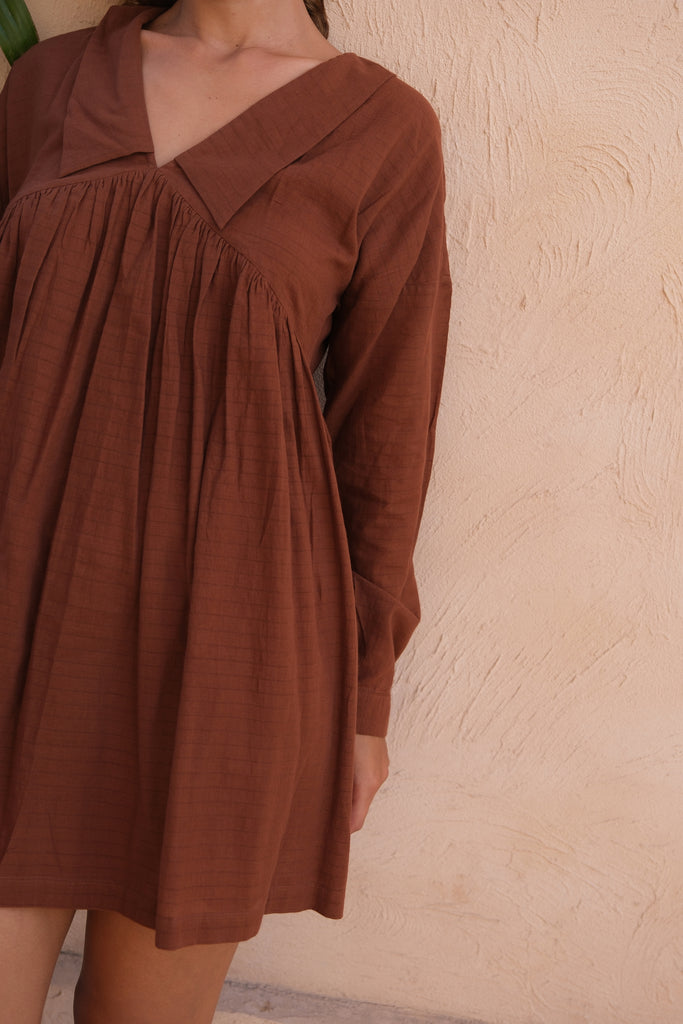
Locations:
(383, 375)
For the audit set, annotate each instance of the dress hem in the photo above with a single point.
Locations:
(168, 935)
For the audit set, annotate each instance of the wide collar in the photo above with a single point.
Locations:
(106, 117)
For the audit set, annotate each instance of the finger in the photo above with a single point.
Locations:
(360, 805)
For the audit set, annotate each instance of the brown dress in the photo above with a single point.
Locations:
(204, 581)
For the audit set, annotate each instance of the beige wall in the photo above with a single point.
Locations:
(525, 861)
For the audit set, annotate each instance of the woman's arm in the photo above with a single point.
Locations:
(383, 377)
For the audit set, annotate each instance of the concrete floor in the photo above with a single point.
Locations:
(242, 1003)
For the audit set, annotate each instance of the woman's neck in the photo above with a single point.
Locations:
(228, 25)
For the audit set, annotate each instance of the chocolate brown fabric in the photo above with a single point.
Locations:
(204, 582)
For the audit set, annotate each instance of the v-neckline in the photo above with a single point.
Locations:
(105, 119)
(290, 86)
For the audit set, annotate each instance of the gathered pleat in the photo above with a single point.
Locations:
(204, 582)
(178, 623)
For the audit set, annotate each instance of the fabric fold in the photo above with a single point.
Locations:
(204, 581)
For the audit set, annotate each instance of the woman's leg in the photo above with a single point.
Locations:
(30, 941)
(126, 979)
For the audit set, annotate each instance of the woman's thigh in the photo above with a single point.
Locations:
(30, 941)
(126, 979)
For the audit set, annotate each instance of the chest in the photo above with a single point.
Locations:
(189, 96)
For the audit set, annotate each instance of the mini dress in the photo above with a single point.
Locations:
(206, 574)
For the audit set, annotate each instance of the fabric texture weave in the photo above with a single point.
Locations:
(205, 580)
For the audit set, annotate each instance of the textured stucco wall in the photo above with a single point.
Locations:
(524, 864)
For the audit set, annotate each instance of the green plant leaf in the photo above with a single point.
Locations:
(17, 31)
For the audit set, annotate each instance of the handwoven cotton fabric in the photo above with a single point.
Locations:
(204, 580)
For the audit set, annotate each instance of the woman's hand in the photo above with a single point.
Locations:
(370, 770)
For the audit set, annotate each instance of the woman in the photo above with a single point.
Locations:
(205, 583)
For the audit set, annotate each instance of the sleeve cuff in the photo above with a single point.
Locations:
(385, 624)
(372, 712)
